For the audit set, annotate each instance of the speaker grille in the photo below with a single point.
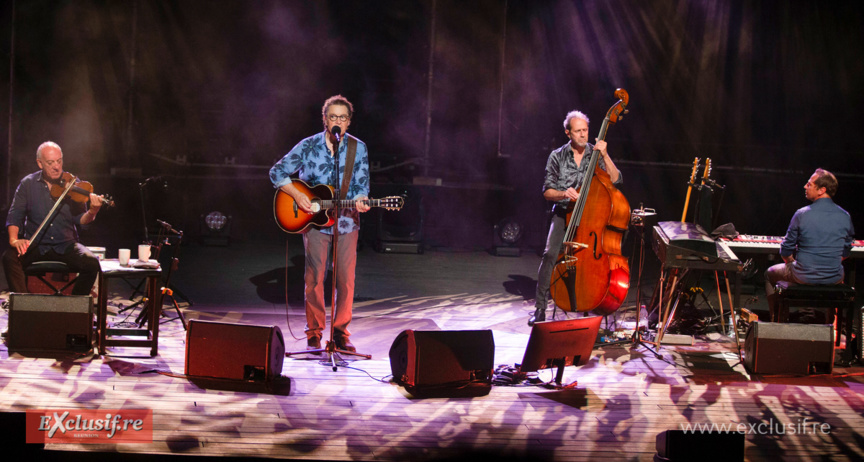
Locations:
(50, 322)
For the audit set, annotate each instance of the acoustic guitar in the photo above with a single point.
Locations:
(292, 219)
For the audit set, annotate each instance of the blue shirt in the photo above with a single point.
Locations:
(312, 162)
(562, 171)
(819, 236)
(31, 205)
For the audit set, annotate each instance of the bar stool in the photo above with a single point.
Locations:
(40, 269)
(839, 297)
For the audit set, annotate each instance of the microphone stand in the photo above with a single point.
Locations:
(137, 289)
(331, 350)
(166, 290)
(144, 210)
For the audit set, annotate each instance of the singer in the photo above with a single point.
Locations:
(312, 161)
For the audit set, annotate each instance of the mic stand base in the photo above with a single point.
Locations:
(333, 354)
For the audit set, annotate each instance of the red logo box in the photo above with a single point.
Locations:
(90, 426)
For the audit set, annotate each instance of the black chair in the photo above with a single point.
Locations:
(41, 269)
(834, 298)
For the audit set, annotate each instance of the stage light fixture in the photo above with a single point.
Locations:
(215, 228)
(507, 234)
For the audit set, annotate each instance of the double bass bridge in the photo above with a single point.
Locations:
(570, 250)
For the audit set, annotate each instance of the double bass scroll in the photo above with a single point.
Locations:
(590, 273)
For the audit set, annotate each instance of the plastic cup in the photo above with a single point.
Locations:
(123, 256)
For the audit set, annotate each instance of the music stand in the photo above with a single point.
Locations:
(568, 342)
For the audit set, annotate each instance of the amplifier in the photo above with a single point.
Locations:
(50, 322)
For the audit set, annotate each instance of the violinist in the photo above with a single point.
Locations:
(565, 170)
(59, 239)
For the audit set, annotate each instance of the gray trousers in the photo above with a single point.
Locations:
(317, 246)
(550, 255)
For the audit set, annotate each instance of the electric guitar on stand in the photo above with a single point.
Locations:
(292, 219)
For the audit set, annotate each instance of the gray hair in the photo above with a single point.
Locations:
(574, 114)
(47, 144)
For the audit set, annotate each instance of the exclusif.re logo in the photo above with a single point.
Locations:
(94, 426)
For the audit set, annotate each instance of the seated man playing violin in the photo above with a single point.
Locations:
(58, 239)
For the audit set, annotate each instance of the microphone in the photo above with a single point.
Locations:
(337, 132)
(169, 228)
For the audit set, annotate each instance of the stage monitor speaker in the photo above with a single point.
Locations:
(775, 348)
(234, 351)
(678, 445)
(443, 363)
(50, 322)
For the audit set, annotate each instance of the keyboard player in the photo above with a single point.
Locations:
(819, 237)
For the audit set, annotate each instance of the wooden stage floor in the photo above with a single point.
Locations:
(624, 397)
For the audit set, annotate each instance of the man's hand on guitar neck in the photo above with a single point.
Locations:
(361, 205)
(300, 199)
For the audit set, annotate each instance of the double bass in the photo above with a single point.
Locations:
(591, 274)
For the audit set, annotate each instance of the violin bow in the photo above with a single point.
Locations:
(57, 204)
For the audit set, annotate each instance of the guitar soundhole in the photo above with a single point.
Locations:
(316, 207)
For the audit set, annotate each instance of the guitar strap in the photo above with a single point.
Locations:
(349, 167)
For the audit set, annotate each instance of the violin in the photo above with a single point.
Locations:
(66, 186)
(76, 189)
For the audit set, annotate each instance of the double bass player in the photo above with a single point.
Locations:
(565, 171)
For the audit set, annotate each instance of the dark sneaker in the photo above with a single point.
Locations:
(343, 343)
(538, 316)
(313, 343)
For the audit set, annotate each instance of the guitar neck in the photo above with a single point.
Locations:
(348, 203)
